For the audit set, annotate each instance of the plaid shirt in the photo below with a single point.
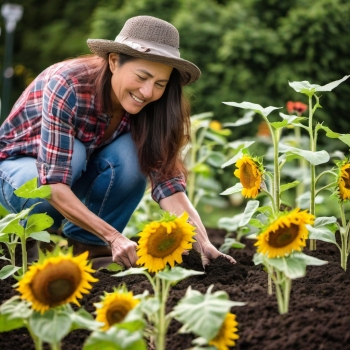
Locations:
(56, 108)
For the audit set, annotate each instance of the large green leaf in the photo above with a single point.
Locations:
(51, 326)
(177, 274)
(249, 211)
(82, 319)
(309, 89)
(115, 339)
(230, 243)
(31, 190)
(42, 236)
(286, 187)
(314, 158)
(321, 233)
(234, 189)
(254, 107)
(7, 323)
(203, 314)
(8, 271)
(10, 223)
(38, 222)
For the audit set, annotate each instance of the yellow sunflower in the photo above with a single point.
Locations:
(227, 333)
(114, 307)
(56, 279)
(249, 172)
(285, 235)
(215, 125)
(164, 242)
(344, 180)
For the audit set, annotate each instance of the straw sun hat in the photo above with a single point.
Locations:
(149, 38)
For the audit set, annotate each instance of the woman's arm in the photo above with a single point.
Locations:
(179, 203)
(65, 201)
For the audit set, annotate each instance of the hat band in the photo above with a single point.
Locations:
(150, 47)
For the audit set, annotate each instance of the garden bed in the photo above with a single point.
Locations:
(319, 316)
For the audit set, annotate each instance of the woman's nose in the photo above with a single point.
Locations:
(147, 90)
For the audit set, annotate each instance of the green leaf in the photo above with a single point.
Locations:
(249, 211)
(8, 271)
(115, 267)
(314, 158)
(203, 314)
(309, 260)
(10, 223)
(82, 319)
(329, 133)
(132, 271)
(3, 212)
(220, 140)
(345, 138)
(16, 308)
(309, 89)
(286, 187)
(115, 339)
(216, 159)
(324, 220)
(177, 274)
(7, 323)
(234, 189)
(230, 224)
(254, 107)
(292, 119)
(321, 233)
(150, 306)
(31, 190)
(247, 118)
(279, 125)
(38, 222)
(51, 326)
(292, 268)
(230, 243)
(42, 236)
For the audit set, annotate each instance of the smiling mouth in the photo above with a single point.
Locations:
(136, 99)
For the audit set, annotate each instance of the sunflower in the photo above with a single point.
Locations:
(164, 241)
(114, 307)
(56, 279)
(285, 235)
(227, 334)
(215, 125)
(344, 180)
(250, 173)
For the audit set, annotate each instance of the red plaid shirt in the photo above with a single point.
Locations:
(56, 108)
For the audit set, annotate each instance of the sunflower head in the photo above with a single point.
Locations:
(163, 242)
(286, 234)
(343, 181)
(215, 125)
(114, 307)
(227, 333)
(250, 173)
(56, 279)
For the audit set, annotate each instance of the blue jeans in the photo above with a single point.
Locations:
(110, 184)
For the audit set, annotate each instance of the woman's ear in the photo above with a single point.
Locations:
(113, 61)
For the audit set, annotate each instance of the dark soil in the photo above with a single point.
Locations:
(319, 316)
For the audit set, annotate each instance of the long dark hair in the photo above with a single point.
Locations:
(160, 130)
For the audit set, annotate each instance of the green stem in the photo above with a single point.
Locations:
(287, 286)
(37, 341)
(269, 284)
(325, 187)
(312, 244)
(55, 346)
(279, 294)
(344, 239)
(24, 255)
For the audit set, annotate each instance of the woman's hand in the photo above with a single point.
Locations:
(208, 252)
(123, 251)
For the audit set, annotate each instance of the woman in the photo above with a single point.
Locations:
(94, 128)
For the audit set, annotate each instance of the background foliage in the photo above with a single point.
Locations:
(247, 50)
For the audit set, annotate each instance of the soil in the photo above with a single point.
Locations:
(319, 316)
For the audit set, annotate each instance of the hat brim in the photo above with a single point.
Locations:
(189, 71)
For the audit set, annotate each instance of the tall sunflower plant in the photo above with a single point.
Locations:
(46, 291)
(209, 317)
(17, 228)
(255, 180)
(160, 248)
(203, 154)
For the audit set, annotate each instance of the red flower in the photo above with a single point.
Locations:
(297, 107)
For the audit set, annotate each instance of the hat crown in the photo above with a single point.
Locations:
(151, 29)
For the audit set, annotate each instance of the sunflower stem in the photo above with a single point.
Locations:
(24, 255)
(287, 286)
(276, 185)
(269, 284)
(38, 344)
(344, 231)
(55, 346)
(312, 243)
(279, 293)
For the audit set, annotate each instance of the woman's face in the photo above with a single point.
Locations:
(137, 83)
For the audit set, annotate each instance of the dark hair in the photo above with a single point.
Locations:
(160, 130)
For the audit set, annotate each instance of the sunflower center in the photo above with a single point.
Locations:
(283, 236)
(347, 179)
(162, 244)
(247, 175)
(116, 314)
(56, 282)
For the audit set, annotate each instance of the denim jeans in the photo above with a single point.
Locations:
(110, 184)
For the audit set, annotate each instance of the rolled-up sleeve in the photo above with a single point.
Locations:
(57, 132)
(167, 188)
